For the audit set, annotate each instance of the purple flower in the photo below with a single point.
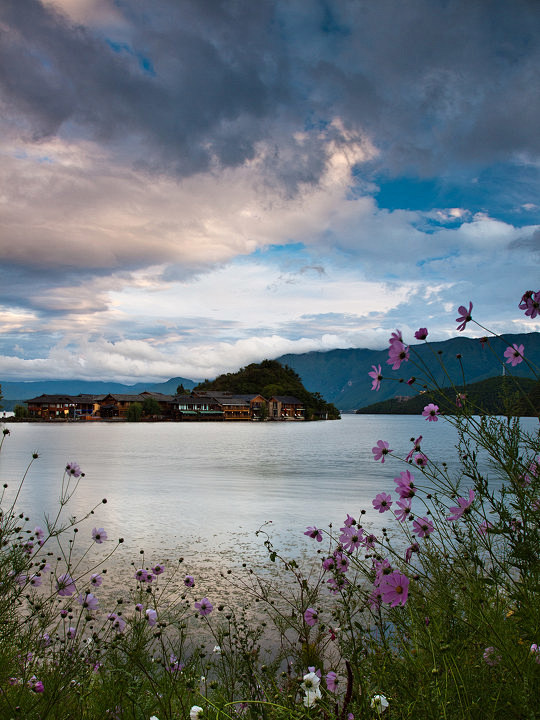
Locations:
(141, 574)
(535, 652)
(376, 375)
(382, 502)
(99, 535)
(380, 450)
(39, 533)
(35, 581)
(351, 538)
(158, 569)
(349, 521)
(329, 563)
(151, 616)
(396, 337)
(96, 580)
(204, 606)
(189, 581)
(463, 506)
(405, 486)
(117, 621)
(530, 303)
(71, 633)
(73, 469)
(314, 533)
(423, 527)
(311, 616)
(460, 399)
(332, 681)
(430, 412)
(88, 600)
(514, 354)
(139, 607)
(464, 316)
(405, 509)
(65, 585)
(382, 568)
(397, 354)
(421, 334)
(394, 589)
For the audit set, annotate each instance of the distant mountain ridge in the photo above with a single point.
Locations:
(341, 376)
(18, 392)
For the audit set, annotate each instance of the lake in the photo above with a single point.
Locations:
(201, 490)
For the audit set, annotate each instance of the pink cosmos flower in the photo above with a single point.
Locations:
(189, 581)
(421, 334)
(484, 527)
(88, 600)
(420, 460)
(117, 621)
(397, 354)
(35, 581)
(151, 616)
(329, 563)
(141, 575)
(416, 448)
(99, 536)
(396, 337)
(71, 633)
(158, 569)
(394, 589)
(65, 585)
(73, 469)
(382, 502)
(335, 584)
(382, 568)
(96, 580)
(314, 533)
(535, 652)
(376, 375)
(463, 506)
(375, 598)
(460, 399)
(332, 681)
(514, 354)
(464, 316)
(349, 521)
(530, 303)
(380, 451)
(351, 538)
(405, 509)
(415, 547)
(311, 616)
(39, 533)
(405, 486)
(204, 606)
(430, 412)
(36, 685)
(342, 561)
(423, 527)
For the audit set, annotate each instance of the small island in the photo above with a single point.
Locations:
(267, 391)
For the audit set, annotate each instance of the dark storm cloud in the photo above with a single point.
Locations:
(199, 83)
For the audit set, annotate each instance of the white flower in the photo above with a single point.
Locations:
(196, 712)
(379, 703)
(311, 696)
(217, 650)
(154, 718)
(311, 682)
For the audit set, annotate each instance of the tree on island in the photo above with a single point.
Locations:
(21, 411)
(151, 406)
(134, 412)
(181, 390)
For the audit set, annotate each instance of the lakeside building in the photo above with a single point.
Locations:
(199, 405)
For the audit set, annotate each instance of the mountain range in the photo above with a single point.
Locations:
(341, 376)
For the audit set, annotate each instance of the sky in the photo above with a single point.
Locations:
(189, 186)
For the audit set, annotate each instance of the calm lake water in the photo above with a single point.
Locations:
(203, 489)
